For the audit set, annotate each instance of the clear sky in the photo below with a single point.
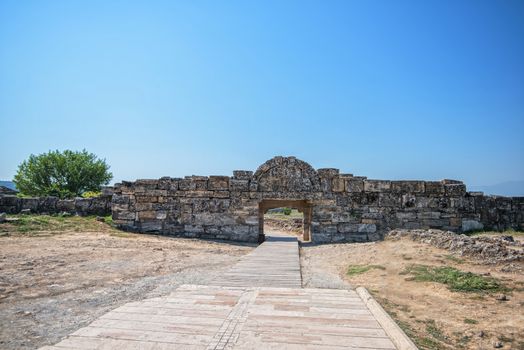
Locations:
(385, 89)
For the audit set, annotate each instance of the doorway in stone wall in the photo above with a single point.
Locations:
(292, 217)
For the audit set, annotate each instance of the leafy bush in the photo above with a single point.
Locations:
(91, 194)
(63, 174)
(286, 211)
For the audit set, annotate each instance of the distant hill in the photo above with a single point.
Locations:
(510, 189)
(8, 184)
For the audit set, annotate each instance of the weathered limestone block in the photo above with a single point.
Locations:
(151, 225)
(367, 228)
(30, 203)
(377, 186)
(408, 186)
(186, 185)
(471, 225)
(239, 185)
(146, 199)
(346, 227)
(123, 215)
(328, 173)
(150, 184)
(200, 194)
(455, 189)
(409, 215)
(67, 205)
(434, 187)
(389, 199)
(217, 183)
(429, 215)
(338, 184)
(354, 185)
(242, 175)
(121, 198)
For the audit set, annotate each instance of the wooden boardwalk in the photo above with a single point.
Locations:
(275, 263)
(258, 304)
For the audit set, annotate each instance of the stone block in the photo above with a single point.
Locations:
(194, 228)
(451, 182)
(186, 185)
(68, 205)
(242, 175)
(30, 203)
(346, 227)
(410, 215)
(354, 185)
(455, 189)
(161, 215)
(328, 172)
(146, 199)
(149, 184)
(471, 225)
(377, 186)
(408, 186)
(217, 183)
(357, 237)
(239, 185)
(150, 226)
(389, 199)
(124, 215)
(146, 215)
(434, 187)
(367, 228)
(429, 215)
(121, 199)
(338, 184)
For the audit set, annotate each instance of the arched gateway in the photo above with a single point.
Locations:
(337, 207)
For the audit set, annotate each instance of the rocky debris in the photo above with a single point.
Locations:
(497, 344)
(3, 217)
(502, 297)
(292, 225)
(490, 250)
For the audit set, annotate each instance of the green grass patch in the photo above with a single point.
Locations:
(37, 224)
(359, 269)
(454, 259)
(470, 321)
(456, 280)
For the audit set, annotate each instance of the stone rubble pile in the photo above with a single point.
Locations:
(489, 250)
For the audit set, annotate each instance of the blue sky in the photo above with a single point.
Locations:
(385, 89)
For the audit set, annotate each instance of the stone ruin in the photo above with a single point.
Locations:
(336, 207)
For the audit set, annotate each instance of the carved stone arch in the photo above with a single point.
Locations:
(287, 174)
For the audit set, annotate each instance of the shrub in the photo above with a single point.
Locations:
(286, 211)
(62, 174)
(91, 194)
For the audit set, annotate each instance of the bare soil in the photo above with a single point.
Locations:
(54, 282)
(432, 315)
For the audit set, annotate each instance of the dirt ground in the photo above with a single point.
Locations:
(52, 283)
(432, 315)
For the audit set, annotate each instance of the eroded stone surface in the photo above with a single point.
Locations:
(337, 207)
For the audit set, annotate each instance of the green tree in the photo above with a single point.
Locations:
(63, 174)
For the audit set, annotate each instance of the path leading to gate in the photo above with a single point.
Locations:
(258, 304)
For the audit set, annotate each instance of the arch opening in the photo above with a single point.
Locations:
(303, 206)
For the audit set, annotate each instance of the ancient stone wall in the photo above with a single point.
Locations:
(337, 207)
(11, 204)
